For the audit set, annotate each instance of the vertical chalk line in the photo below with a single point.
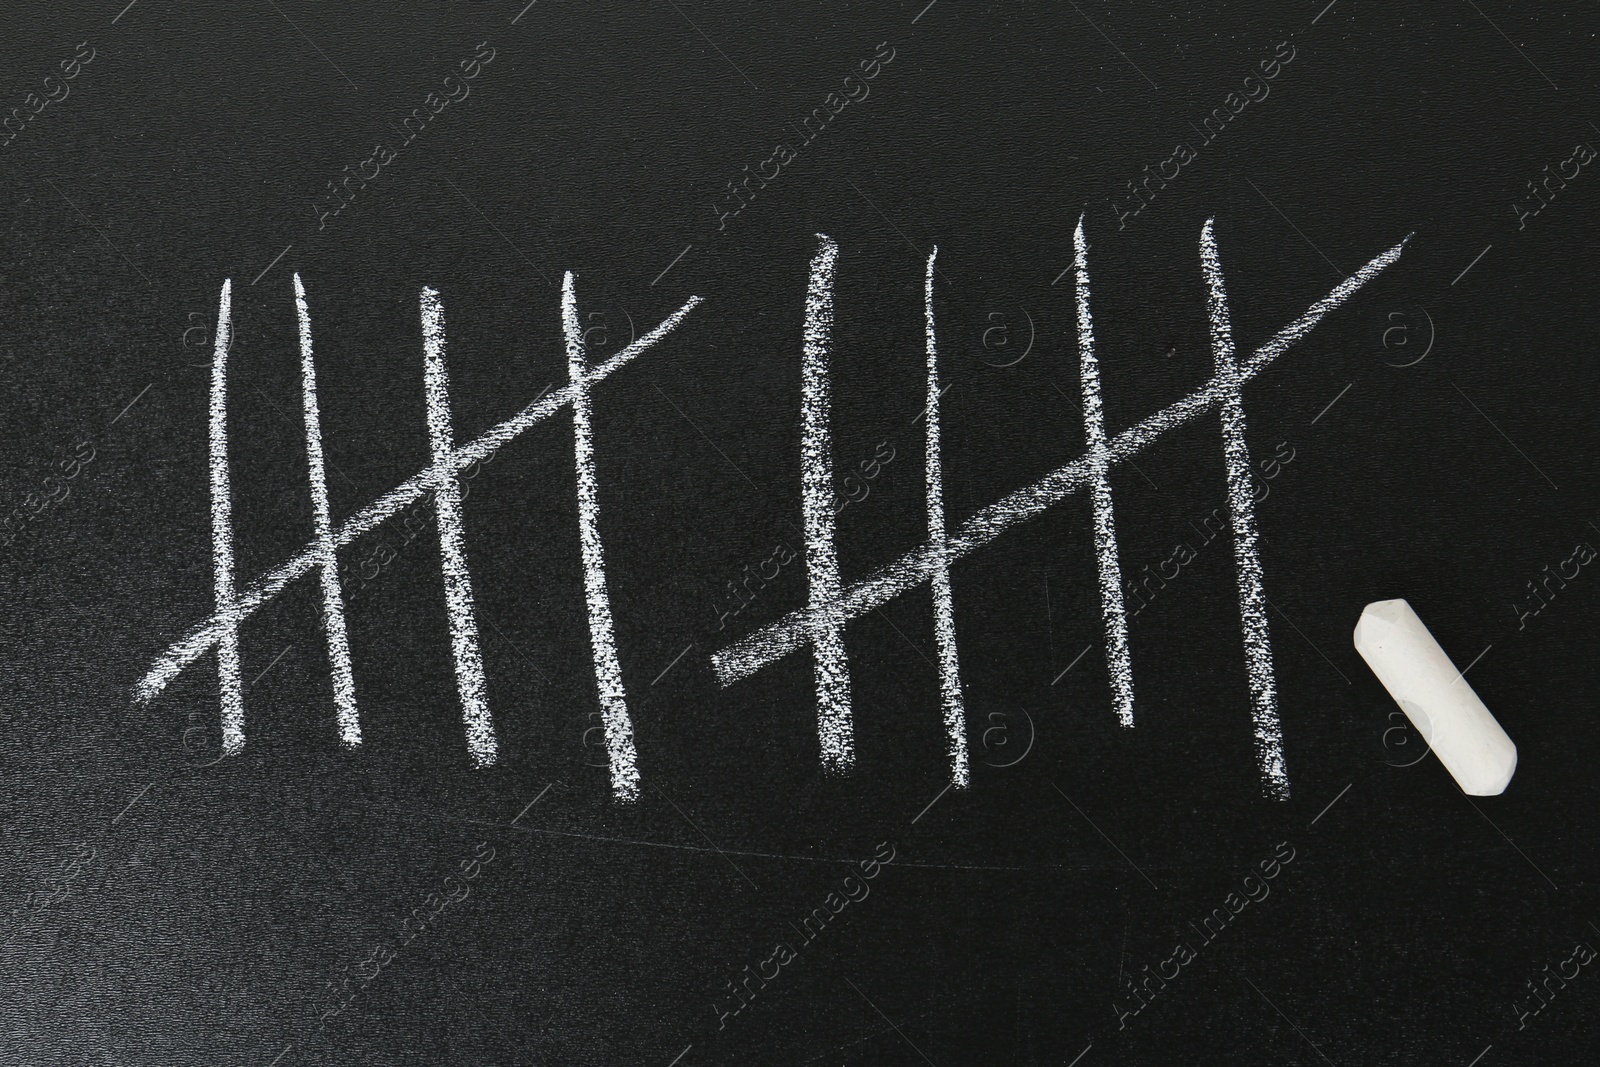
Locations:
(232, 690)
(1241, 510)
(1105, 528)
(818, 501)
(944, 622)
(777, 639)
(344, 685)
(452, 548)
(203, 637)
(607, 669)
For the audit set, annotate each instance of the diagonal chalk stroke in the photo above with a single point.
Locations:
(200, 640)
(1242, 517)
(777, 639)
(481, 745)
(607, 669)
(835, 732)
(344, 686)
(1105, 527)
(944, 621)
(232, 690)
(772, 642)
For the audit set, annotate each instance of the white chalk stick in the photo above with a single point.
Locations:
(1436, 698)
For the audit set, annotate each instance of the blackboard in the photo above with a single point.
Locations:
(564, 836)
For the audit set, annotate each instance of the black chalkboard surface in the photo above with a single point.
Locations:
(715, 533)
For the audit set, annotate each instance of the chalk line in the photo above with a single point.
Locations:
(825, 625)
(452, 544)
(228, 615)
(202, 638)
(344, 685)
(1242, 516)
(944, 621)
(607, 669)
(1112, 608)
(775, 640)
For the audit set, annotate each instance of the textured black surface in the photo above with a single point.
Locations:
(163, 908)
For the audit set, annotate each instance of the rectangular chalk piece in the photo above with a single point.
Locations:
(1436, 698)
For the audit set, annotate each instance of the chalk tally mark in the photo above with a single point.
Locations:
(826, 615)
(344, 686)
(944, 621)
(1105, 527)
(481, 744)
(819, 504)
(607, 669)
(1242, 517)
(228, 613)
